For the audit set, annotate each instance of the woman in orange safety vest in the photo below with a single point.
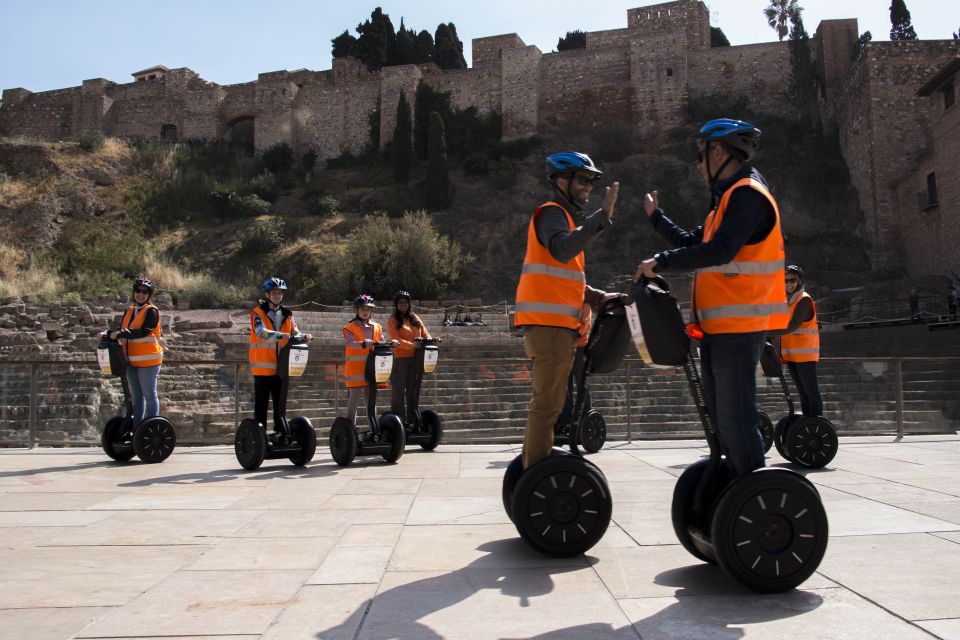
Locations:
(800, 342)
(142, 342)
(360, 336)
(405, 327)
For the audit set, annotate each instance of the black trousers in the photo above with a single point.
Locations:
(804, 375)
(264, 388)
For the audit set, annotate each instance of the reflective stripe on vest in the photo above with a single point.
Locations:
(746, 294)
(356, 357)
(803, 345)
(263, 353)
(550, 293)
(146, 351)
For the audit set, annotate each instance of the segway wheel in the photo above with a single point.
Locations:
(780, 431)
(562, 505)
(392, 428)
(112, 440)
(766, 431)
(811, 442)
(343, 442)
(154, 439)
(303, 431)
(681, 509)
(433, 423)
(770, 530)
(514, 469)
(250, 444)
(592, 432)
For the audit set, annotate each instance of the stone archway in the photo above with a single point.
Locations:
(240, 134)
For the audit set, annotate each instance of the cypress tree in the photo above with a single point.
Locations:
(901, 28)
(438, 172)
(447, 48)
(402, 147)
(573, 40)
(376, 45)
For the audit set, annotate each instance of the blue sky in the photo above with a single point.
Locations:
(50, 44)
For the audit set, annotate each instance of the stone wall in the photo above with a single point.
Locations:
(47, 115)
(757, 72)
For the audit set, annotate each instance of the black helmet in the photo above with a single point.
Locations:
(795, 269)
(274, 283)
(363, 300)
(736, 134)
(401, 294)
(145, 283)
(570, 162)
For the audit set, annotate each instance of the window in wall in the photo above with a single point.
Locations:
(669, 72)
(928, 199)
(949, 95)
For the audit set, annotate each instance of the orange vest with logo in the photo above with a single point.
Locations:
(803, 345)
(146, 351)
(550, 293)
(356, 357)
(746, 294)
(264, 353)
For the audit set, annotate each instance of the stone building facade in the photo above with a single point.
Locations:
(641, 77)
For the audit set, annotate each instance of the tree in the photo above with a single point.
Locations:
(344, 45)
(448, 50)
(901, 28)
(956, 35)
(573, 40)
(862, 42)
(778, 15)
(429, 100)
(402, 147)
(425, 45)
(438, 173)
(718, 38)
(802, 85)
(377, 43)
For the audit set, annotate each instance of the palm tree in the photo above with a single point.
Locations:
(778, 14)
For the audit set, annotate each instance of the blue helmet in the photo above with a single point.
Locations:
(569, 162)
(274, 283)
(736, 134)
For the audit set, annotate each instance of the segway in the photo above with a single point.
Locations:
(294, 439)
(809, 441)
(425, 427)
(561, 505)
(154, 439)
(386, 436)
(590, 430)
(766, 529)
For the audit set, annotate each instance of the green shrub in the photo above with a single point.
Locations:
(263, 237)
(90, 140)
(309, 160)
(324, 206)
(250, 206)
(265, 186)
(476, 164)
(278, 158)
(503, 173)
(212, 294)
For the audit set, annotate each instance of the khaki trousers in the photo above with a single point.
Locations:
(551, 350)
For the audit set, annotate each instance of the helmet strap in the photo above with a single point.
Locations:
(714, 176)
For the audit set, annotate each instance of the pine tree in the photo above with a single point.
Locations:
(448, 50)
(438, 173)
(344, 45)
(376, 45)
(402, 147)
(573, 40)
(901, 28)
(802, 85)
(718, 38)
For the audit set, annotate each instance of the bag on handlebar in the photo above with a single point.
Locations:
(657, 324)
(609, 339)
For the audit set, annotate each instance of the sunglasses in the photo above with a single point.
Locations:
(587, 181)
(138, 290)
(791, 280)
(702, 154)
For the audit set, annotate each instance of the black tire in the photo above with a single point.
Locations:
(592, 432)
(770, 530)
(393, 432)
(112, 439)
(154, 439)
(562, 505)
(681, 508)
(811, 442)
(250, 444)
(343, 442)
(780, 431)
(514, 470)
(766, 431)
(433, 423)
(305, 435)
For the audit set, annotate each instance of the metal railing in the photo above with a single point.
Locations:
(632, 370)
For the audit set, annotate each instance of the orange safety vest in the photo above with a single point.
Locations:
(550, 293)
(803, 345)
(746, 294)
(146, 351)
(264, 354)
(586, 321)
(356, 357)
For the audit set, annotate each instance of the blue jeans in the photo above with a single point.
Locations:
(143, 392)
(729, 363)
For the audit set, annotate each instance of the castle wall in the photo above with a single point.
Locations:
(757, 72)
(47, 115)
(330, 117)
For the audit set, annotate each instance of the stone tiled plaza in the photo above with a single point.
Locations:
(197, 548)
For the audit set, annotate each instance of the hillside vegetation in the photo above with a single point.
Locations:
(83, 218)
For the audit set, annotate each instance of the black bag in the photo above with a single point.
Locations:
(770, 361)
(609, 339)
(661, 336)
